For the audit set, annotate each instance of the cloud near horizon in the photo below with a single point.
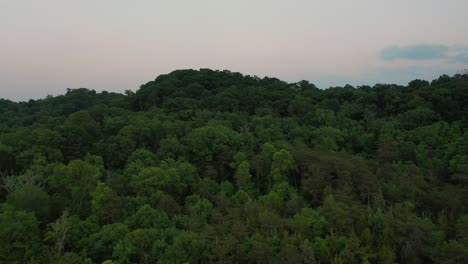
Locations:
(415, 52)
(424, 52)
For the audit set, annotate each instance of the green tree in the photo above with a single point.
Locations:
(19, 236)
(75, 183)
(100, 245)
(262, 165)
(187, 247)
(243, 176)
(105, 204)
(283, 164)
(31, 198)
(148, 217)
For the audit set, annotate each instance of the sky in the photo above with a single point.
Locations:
(48, 46)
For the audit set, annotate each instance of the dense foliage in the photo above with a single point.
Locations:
(216, 167)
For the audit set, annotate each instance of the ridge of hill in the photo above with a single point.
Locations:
(213, 166)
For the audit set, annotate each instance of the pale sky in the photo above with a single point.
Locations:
(47, 46)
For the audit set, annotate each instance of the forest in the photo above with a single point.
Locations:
(208, 166)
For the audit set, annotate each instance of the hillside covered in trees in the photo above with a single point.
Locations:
(217, 167)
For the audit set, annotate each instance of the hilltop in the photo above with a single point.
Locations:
(207, 166)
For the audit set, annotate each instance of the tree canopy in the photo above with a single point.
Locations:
(218, 167)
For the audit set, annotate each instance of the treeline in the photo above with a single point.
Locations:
(217, 167)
